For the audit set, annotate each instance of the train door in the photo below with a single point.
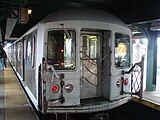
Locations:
(24, 56)
(16, 55)
(94, 69)
(90, 52)
(19, 57)
(27, 60)
(30, 45)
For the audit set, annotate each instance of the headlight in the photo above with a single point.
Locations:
(69, 88)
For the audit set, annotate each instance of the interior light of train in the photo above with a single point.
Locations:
(54, 88)
(92, 37)
(69, 88)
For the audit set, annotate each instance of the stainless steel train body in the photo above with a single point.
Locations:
(71, 61)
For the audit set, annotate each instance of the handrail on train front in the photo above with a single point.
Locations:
(96, 63)
(131, 70)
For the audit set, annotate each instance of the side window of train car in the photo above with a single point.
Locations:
(122, 50)
(33, 50)
(19, 51)
(14, 54)
(29, 50)
(11, 50)
(61, 49)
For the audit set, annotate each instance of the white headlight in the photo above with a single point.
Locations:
(69, 88)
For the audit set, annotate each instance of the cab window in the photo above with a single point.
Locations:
(122, 50)
(61, 49)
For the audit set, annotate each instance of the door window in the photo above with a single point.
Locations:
(90, 45)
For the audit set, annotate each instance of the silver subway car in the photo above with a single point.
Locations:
(71, 62)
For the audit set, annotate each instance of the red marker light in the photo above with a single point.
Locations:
(54, 88)
(62, 50)
(125, 81)
(62, 64)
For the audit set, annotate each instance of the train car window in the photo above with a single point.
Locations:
(25, 47)
(33, 50)
(14, 55)
(30, 47)
(61, 49)
(122, 50)
(90, 45)
(29, 52)
(19, 51)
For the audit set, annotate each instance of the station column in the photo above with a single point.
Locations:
(151, 71)
(151, 61)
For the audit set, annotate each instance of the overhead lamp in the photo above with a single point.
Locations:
(29, 11)
(24, 15)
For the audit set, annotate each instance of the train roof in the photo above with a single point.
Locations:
(83, 14)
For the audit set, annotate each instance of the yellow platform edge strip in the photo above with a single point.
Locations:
(146, 102)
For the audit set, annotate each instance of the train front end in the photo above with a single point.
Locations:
(82, 63)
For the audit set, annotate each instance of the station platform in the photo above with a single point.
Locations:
(150, 99)
(13, 102)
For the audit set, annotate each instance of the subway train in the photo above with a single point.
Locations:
(72, 62)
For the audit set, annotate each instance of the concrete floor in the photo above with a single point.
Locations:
(2, 107)
(153, 96)
(13, 102)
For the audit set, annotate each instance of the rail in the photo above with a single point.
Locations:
(93, 62)
(96, 63)
(99, 83)
(97, 74)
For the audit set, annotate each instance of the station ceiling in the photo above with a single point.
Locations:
(129, 11)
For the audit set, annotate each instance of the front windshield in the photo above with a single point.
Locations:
(61, 50)
(122, 50)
